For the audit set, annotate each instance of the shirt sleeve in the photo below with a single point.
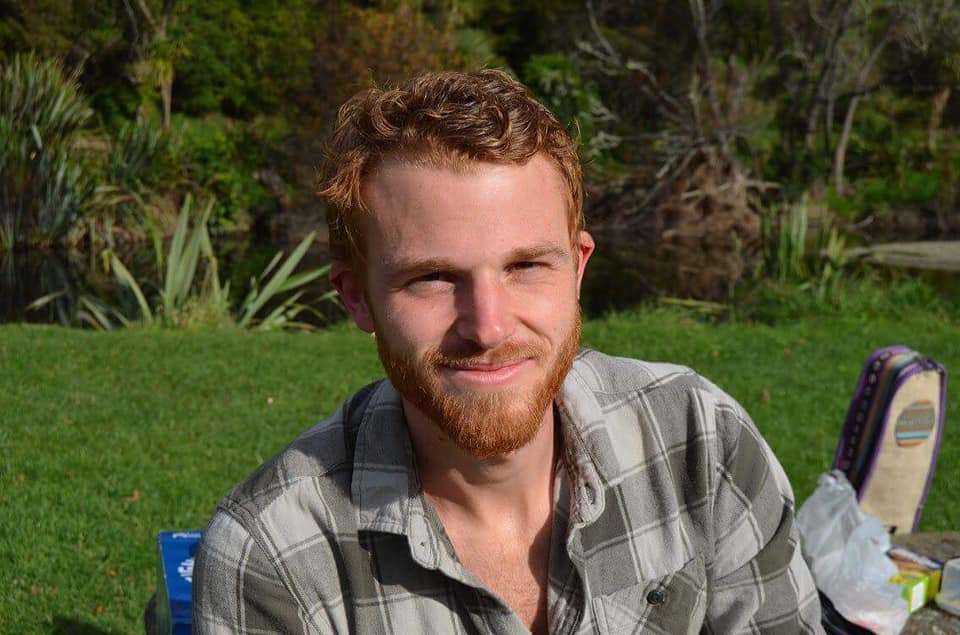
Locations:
(237, 589)
(761, 583)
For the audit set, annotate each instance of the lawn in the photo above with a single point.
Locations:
(109, 437)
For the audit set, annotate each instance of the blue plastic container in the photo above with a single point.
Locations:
(175, 584)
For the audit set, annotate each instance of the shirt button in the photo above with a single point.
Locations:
(657, 596)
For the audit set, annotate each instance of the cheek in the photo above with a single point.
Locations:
(412, 325)
(554, 309)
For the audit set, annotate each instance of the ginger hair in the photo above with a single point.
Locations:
(443, 119)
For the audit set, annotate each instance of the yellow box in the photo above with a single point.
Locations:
(919, 576)
(916, 588)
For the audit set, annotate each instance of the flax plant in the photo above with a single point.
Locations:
(191, 293)
(43, 188)
(791, 248)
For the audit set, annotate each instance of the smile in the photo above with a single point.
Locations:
(487, 374)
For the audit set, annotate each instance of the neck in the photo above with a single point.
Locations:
(517, 484)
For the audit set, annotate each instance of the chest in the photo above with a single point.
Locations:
(515, 566)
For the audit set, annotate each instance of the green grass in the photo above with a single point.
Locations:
(109, 437)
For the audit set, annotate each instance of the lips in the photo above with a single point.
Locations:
(491, 374)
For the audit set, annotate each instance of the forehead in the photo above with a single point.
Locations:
(463, 210)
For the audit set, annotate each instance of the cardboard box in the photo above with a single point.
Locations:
(175, 583)
(918, 575)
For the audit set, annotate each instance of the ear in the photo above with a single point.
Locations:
(347, 283)
(585, 247)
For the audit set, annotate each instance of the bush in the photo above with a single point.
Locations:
(556, 81)
(137, 149)
(190, 293)
(212, 157)
(43, 188)
(133, 162)
(880, 195)
(242, 58)
(864, 297)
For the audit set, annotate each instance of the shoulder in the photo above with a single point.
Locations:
(633, 396)
(604, 373)
(291, 510)
(320, 460)
(617, 380)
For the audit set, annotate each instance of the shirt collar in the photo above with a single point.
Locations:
(385, 481)
(386, 488)
(580, 417)
(604, 437)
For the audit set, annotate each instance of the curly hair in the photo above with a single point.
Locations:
(444, 119)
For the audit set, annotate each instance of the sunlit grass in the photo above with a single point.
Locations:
(796, 380)
(108, 438)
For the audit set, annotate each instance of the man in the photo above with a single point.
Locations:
(500, 481)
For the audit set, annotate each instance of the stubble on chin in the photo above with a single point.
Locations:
(483, 424)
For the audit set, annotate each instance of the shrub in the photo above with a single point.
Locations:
(242, 58)
(43, 188)
(880, 195)
(557, 82)
(866, 296)
(190, 293)
(212, 158)
(137, 148)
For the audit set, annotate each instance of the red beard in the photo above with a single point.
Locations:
(482, 423)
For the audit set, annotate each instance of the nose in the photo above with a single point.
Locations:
(484, 313)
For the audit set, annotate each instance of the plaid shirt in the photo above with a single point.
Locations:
(671, 516)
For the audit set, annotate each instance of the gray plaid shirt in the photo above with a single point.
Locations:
(671, 516)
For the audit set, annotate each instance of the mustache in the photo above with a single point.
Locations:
(469, 358)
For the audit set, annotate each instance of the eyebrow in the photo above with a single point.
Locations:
(421, 266)
(549, 250)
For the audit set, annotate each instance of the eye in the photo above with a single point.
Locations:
(529, 266)
(433, 281)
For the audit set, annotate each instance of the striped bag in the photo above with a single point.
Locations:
(888, 448)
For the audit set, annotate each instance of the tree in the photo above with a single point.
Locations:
(703, 223)
(157, 53)
(875, 29)
(930, 58)
(837, 55)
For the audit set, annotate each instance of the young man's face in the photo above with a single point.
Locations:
(471, 286)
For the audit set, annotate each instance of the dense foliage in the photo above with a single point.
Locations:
(42, 186)
(850, 103)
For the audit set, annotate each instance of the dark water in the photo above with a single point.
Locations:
(620, 274)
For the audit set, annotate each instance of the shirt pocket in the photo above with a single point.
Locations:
(674, 603)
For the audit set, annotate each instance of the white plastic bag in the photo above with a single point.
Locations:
(846, 551)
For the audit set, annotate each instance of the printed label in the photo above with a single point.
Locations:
(186, 570)
(915, 423)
